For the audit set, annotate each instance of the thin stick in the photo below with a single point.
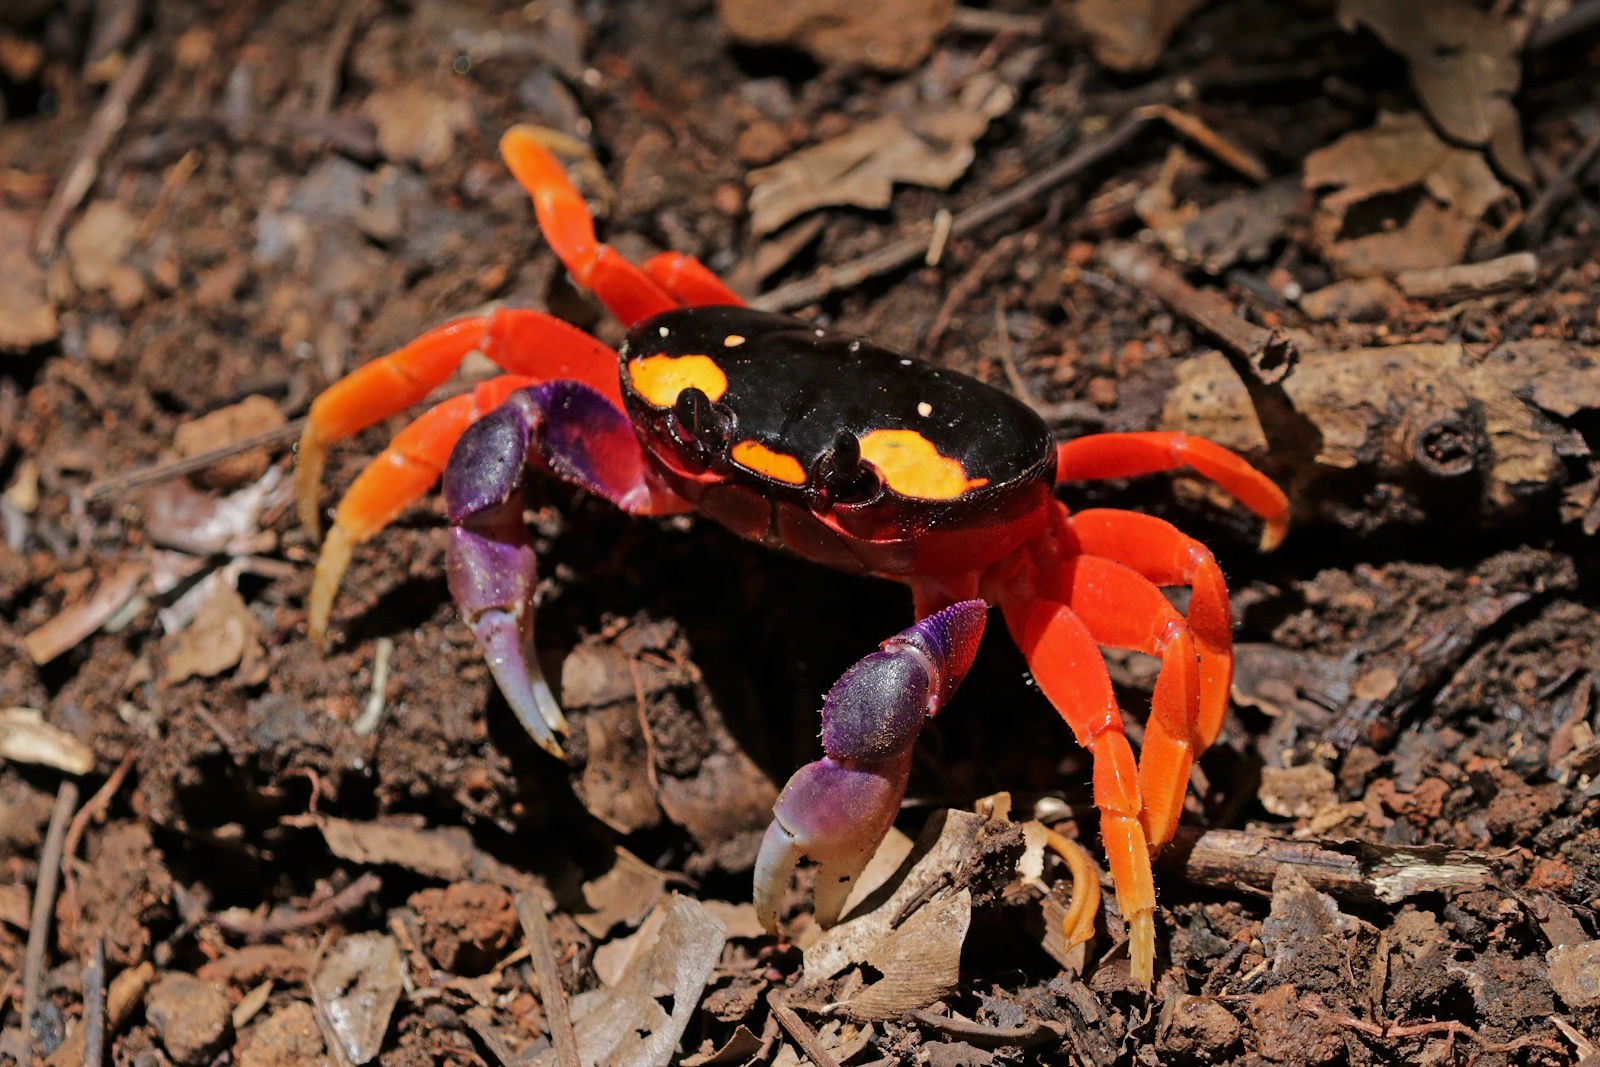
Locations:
(347, 900)
(1579, 17)
(327, 83)
(803, 1035)
(79, 178)
(1033, 1033)
(536, 928)
(94, 1006)
(80, 823)
(373, 713)
(1556, 193)
(962, 290)
(1008, 359)
(828, 279)
(283, 435)
(44, 901)
(981, 21)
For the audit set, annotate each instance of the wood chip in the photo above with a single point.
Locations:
(26, 738)
(1517, 271)
(73, 624)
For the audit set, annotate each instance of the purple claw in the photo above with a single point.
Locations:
(837, 810)
(492, 574)
(577, 434)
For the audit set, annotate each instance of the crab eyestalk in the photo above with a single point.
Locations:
(837, 810)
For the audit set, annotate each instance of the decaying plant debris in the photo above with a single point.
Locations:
(1355, 241)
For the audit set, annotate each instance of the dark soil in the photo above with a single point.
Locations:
(1438, 660)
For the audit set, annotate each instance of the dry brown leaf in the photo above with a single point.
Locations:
(628, 1024)
(891, 35)
(624, 894)
(738, 1049)
(729, 795)
(616, 785)
(920, 960)
(1125, 35)
(224, 634)
(931, 148)
(447, 853)
(1464, 64)
(16, 906)
(1243, 227)
(26, 316)
(355, 991)
(939, 850)
(1398, 153)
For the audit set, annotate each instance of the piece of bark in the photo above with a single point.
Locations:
(1356, 871)
(1516, 271)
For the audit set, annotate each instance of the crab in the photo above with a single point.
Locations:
(835, 449)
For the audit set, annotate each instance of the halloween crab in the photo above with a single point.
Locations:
(839, 451)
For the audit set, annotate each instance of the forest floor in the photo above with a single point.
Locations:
(1355, 242)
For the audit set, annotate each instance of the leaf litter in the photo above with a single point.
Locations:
(1414, 737)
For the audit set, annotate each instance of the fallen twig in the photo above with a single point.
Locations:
(1203, 135)
(899, 253)
(286, 434)
(79, 178)
(1312, 1004)
(341, 903)
(1261, 358)
(80, 823)
(1579, 17)
(1554, 195)
(803, 1035)
(1271, 358)
(1516, 271)
(126, 993)
(1229, 859)
(969, 283)
(536, 928)
(978, 21)
(482, 1024)
(1034, 1033)
(372, 714)
(44, 900)
(327, 83)
(94, 1006)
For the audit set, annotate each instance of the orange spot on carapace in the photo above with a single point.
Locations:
(659, 379)
(913, 467)
(763, 460)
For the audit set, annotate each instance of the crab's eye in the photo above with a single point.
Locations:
(698, 421)
(840, 475)
(844, 460)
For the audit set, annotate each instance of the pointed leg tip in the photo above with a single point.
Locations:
(1142, 946)
(1273, 533)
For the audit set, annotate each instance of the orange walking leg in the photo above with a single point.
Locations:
(1162, 553)
(1066, 663)
(1127, 455)
(628, 292)
(393, 481)
(524, 342)
(1123, 610)
(687, 279)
